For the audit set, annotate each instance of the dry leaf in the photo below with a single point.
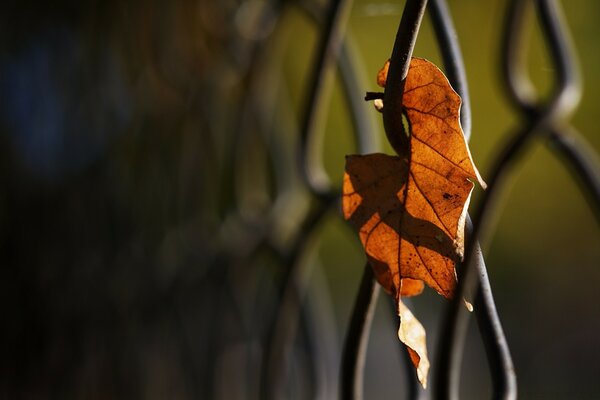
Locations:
(412, 334)
(410, 213)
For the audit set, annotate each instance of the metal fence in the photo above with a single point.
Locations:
(293, 315)
(229, 284)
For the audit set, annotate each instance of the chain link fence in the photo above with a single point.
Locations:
(182, 253)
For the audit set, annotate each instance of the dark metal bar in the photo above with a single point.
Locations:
(584, 162)
(520, 90)
(504, 380)
(499, 358)
(454, 329)
(327, 52)
(404, 44)
(351, 72)
(567, 93)
(282, 331)
(357, 338)
(453, 59)
(358, 332)
(541, 119)
(455, 324)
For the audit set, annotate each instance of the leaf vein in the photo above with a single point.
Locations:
(427, 269)
(430, 205)
(442, 155)
(412, 89)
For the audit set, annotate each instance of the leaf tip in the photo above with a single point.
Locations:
(412, 334)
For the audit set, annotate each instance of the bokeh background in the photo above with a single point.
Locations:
(141, 161)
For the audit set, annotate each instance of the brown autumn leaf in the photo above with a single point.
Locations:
(410, 212)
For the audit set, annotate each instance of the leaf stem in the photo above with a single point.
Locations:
(373, 96)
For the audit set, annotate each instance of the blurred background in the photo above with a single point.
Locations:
(151, 203)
